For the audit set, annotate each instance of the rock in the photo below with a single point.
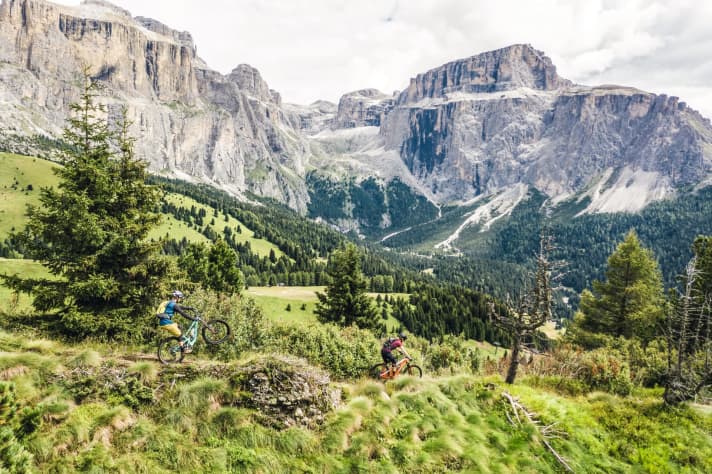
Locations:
(364, 108)
(477, 125)
(193, 122)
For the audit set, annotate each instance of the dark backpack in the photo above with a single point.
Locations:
(389, 342)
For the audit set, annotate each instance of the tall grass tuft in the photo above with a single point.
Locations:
(146, 371)
(86, 359)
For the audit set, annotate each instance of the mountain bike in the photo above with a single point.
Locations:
(214, 332)
(384, 372)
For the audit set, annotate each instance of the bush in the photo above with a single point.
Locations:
(344, 352)
(245, 318)
(605, 369)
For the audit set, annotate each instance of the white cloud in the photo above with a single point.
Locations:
(320, 49)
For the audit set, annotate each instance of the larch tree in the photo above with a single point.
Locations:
(522, 318)
(629, 303)
(689, 329)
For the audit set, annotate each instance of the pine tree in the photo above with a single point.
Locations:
(629, 303)
(345, 301)
(91, 232)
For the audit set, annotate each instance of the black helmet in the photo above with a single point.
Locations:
(402, 336)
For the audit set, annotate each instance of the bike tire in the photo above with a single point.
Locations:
(414, 371)
(169, 351)
(376, 371)
(216, 331)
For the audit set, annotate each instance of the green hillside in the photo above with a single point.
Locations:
(21, 178)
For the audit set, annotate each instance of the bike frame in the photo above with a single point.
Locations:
(400, 365)
(191, 334)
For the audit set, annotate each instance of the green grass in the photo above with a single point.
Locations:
(261, 247)
(16, 173)
(26, 268)
(274, 301)
(444, 424)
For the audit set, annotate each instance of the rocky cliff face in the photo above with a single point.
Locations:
(505, 117)
(190, 121)
(364, 108)
(474, 126)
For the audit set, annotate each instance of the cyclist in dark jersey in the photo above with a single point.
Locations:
(167, 310)
(389, 346)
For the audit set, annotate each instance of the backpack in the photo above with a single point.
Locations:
(161, 310)
(388, 342)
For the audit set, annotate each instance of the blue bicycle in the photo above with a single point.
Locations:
(214, 332)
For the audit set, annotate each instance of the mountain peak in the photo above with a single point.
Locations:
(508, 68)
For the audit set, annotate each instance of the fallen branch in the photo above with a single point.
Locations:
(546, 432)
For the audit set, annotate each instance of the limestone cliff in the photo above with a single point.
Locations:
(475, 126)
(190, 121)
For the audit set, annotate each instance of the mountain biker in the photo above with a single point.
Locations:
(391, 344)
(166, 311)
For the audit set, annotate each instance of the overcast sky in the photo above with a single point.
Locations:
(320, 49)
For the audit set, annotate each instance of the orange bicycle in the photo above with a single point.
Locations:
(383, 371)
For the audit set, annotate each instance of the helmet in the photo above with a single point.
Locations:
(177, 294)
(402, 336)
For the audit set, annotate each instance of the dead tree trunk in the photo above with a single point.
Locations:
(532, 310)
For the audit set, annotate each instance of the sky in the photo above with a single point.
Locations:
(320, 49)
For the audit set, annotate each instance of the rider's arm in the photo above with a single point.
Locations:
(182, 311)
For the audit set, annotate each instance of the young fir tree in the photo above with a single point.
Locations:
(345, 301)
(91, 232)
(215, 267)
(628, 304)
(14, 458)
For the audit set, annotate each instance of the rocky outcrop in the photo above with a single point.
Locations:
(501, 118)
(190, 121)
(472, 126)
(505, 69)
(285, 391)
(364, 108)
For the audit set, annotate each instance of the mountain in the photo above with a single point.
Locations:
(191, 121)
(484, 129)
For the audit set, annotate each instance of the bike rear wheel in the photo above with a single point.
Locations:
(216, 331)
(169, 351)
(376, 371)
(414, 371)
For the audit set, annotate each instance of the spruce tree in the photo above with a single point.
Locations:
(629, 303)
(345, 301)
(91, 232)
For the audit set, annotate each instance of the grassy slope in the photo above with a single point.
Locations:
(274, 301)
(13, 201)
(27, 170)
(27, 268)
(261, 247)
(447, 424)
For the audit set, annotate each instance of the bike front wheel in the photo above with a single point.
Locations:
(216, 331)
(414, 371)
(169, 351)
(377, 371)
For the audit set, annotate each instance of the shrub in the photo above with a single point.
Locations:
(245, 318)
(345, 352)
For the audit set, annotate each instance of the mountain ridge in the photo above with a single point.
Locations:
(473, 126)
